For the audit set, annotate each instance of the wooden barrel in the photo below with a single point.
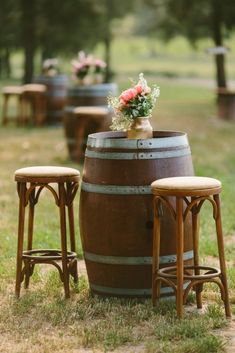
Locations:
(226, 104)
(116, 211)
(90, 95)
(85, 96)
(56, 96)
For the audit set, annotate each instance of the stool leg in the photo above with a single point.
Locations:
(179, 252)
(20, 110)
(44, 108)
(80, 137)
(156, 253)
(30, 236)
(72, 240)
(25, 109)
(21, 219)
(220, 243)
(64, 239)
(195, 230)
(37, 110)
(4, 109)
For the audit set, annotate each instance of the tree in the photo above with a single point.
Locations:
(195, 19)
(9, 38)
(28, 25)
(107, 11)
(203, 18)
(67, 28)
(57, 27)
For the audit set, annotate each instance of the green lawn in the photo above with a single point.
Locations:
(42, 321)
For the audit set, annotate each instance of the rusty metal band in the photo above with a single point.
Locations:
(131, 291)
(124, 143)
(134, 260)
(138, 155)
(116, 189)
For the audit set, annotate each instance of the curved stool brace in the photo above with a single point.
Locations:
(46, 256)
(41, 187)
(196, 204)
(162, 200)
(72, 189)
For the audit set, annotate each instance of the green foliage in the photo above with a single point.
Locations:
(194, 19)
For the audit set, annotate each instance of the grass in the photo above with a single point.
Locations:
(42, 321)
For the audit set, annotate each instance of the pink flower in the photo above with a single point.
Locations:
(128, 94)
(147, 89)
(100, 63)
(139, 89)
(122, 101)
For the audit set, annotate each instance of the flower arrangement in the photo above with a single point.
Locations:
(133, 103)
(50, 67)
(86, 66)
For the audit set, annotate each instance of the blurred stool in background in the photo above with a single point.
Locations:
(34, 103)
(79, 122)
(9, 91)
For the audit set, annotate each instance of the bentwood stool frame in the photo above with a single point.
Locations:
(30, 183)
(187, 200)
(34, 97)
(89, 119)
(7, 92)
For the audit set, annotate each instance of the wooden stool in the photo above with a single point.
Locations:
(34, 96)
(9, 91)
(81, 122)
(30, 182)
(189, 194)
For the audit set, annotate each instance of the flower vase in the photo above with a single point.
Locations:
(85, 81)
(140, 129)
(98, 78)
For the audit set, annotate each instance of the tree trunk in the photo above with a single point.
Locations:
(46, 54)
(218, 40)
(7, 63)
(107, 43)
(28, 37)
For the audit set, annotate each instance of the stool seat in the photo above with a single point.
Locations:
(102, 111)
(47, 174)
(14, 90)
(188, 185)
(34, 88)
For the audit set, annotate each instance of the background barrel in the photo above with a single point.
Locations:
(56, 96)
(116, 209)
(85, 96)
(226, 104)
